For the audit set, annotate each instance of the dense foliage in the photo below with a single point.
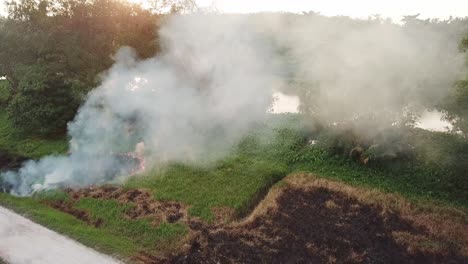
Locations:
(456, 108)
(52, 52)
(44, 102)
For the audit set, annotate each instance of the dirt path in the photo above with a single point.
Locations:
(22, 241)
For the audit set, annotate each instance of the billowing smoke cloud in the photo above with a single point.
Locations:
(344, 69)
(192, 102)
(215, 77)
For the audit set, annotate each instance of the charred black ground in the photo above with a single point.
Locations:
(314, 226)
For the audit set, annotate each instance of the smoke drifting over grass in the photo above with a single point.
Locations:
(199, 96)
(215, 77)
(345, 69)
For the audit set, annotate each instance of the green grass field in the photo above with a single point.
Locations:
(239, 180)
(232, 182)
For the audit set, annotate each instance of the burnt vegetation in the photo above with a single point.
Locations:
(302, 219)
(320, 226)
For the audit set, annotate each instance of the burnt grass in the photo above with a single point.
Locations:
(305, 225)
(144, 206)
(314, 225)
(67, 207)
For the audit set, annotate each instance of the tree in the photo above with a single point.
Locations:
(44, 103)
(52, 51)
(456, 110)
(173, 6)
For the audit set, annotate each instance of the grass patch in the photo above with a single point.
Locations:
(232, 182)
(238, 181)
(411, 180)
(69, 225)
(13, 142)
(117, 235)
(141, 231)
(437, 172)
(281, 147)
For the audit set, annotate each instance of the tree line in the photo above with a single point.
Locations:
(52, 53)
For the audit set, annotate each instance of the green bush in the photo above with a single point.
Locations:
(44, 104)
(4, 92)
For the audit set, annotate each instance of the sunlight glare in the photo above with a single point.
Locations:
(142, 3)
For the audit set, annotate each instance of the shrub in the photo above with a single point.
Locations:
(44, 103)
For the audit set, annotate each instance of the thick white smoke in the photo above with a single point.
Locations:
(345, 68)
(210, 84)
(215, 78)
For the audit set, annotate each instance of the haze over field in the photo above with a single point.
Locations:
(215, 77)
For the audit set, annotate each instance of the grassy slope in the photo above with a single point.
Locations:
(235, 182)
(414, 182)
(232, 183)
(117, 236)
(67, 224)
(432, 176)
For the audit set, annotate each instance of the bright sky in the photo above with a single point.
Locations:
(354, 8)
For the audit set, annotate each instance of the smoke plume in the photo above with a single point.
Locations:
(215, 77)
(199, 96)
(344, 69)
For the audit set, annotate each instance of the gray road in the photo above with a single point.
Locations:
(22, 242)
